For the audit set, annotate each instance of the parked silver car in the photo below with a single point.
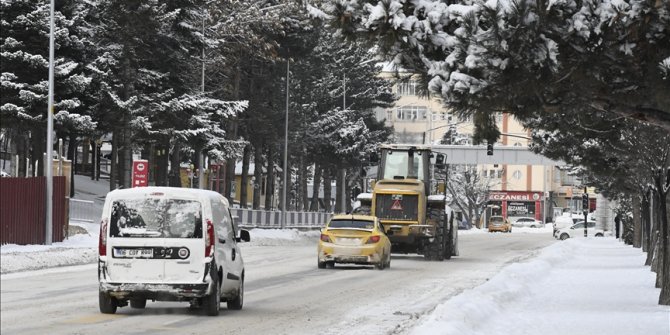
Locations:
(528, 222)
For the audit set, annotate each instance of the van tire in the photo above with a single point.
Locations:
(564, 236)
(138, 303)
(107, 303)
(237, 302)
(212, 302)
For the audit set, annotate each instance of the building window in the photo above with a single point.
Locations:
(484, 173)
(411, 113)
(389, 115)
(517, 144)
(516, 175)
(500, 173)
(406, 88)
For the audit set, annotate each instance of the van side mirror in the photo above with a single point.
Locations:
(244, 236)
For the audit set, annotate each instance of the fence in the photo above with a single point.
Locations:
(23, 206)
(250, 218)
(85, 211)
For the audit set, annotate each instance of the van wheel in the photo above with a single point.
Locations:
(212, 302)
(599, 235)
(564, 236)
(237, 302)
(138, 303)
(107, 303)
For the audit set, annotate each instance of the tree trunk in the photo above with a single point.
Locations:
(303, 185)
(339, 187)
(650, 228)
(664, 298)
(637, 224)
(270, 188)
(347, 195)
(112, 161)
(72, 156)
(162, 162)
(646, 221)
(38, 149)
(126, 161)
(245, 176)
(326, 190)
(258, 176)
(174, 179)
(314, 206)
(86, 156)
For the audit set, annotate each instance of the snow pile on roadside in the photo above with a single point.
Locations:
(83, 248)
(547, 229)
(278, 237)
(590, 286)
(46, 258)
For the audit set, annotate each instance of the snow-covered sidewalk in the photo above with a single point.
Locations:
(578, 286)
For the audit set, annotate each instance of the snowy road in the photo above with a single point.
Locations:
(285, 294)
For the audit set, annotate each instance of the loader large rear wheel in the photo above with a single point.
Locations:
(437, 248)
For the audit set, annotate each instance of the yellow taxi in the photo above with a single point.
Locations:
(499, 223)
(354, 239)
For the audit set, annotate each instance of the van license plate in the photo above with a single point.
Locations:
(133, 253)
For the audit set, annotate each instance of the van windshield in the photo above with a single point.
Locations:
(156, 218)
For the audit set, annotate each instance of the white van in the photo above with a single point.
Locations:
(169, 244)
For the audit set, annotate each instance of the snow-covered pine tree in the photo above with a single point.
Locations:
(526, 57)
(24, 70)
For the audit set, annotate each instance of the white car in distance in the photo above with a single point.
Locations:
(577, 230)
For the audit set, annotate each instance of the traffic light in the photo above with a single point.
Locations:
(585, 201)
(489, 148)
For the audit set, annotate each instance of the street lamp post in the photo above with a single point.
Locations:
(50, 129)
(283, 205)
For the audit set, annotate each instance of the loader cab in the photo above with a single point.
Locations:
(401, 164)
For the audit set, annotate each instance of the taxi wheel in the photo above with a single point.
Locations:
(388, 261)
(320, 265)
(330, 265)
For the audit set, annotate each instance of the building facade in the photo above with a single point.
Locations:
(535, 191)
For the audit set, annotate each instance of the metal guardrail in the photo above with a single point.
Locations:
(249, 218)
(84, 211)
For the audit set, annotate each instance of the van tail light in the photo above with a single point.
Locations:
(373, 239)
(325, 238)
(102, 240)
(209, 239)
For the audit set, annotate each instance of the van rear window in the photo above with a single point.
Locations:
(156, 218)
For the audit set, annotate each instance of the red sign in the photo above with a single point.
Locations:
(140, 173)
(396, 205)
